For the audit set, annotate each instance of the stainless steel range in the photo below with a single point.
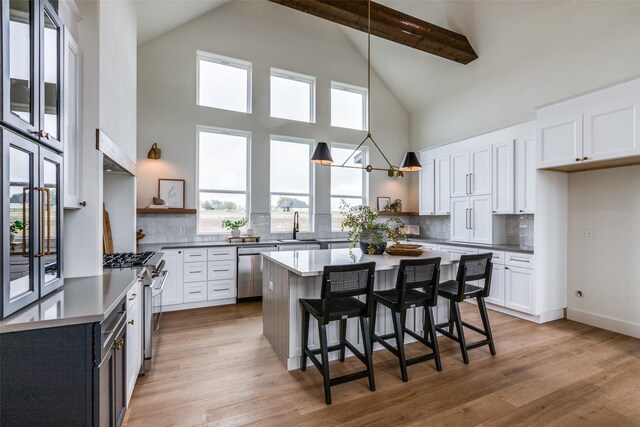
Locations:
(153, 278)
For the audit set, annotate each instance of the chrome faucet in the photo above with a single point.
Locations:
(296, 224)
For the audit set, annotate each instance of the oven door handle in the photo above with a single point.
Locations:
(155, 291)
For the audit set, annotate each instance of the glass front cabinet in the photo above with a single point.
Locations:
(32, 61)
(31, 221)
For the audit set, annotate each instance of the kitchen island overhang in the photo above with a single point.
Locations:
(292, 275)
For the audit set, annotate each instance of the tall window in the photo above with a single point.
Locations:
(290, 183)
(224, 82)
(349, 185)
(293, 96)
(222, 177)
(348, 106)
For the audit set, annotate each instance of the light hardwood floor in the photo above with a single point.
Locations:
(214, 367)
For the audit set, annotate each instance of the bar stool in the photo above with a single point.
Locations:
(341, 284)
(471, 268)
(412, 274)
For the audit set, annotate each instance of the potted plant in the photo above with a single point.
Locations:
(363, 227)
(395, 206)
(234, 226)
(15, 227)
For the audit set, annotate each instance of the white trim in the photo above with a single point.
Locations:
(354, 89)
(604, 322)
(247, 191)
(191, 305)
(231, 62)
(545, 317)
(303, 78)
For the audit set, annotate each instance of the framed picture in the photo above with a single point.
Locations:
(383, 202)
(172, 192)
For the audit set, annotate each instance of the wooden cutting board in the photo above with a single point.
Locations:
(107, 238)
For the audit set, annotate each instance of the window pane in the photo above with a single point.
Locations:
(347, 109)
(290, 99)
(347, 182)
(216, 207)
(283, 209)
(336, 217)
(289, 159)
(223, 86)
(222, 161)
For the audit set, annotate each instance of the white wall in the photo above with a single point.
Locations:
(607, 268)
(267, 35)
(569, 48)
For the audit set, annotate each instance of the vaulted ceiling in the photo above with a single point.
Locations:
(503, 33)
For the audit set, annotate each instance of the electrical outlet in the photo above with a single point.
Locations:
(588, 235)
(270, 285)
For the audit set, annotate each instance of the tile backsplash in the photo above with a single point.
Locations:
(519, 230)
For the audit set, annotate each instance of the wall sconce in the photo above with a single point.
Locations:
(154, 153)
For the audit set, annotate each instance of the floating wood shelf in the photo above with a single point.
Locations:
(170, 211)
(391, 213)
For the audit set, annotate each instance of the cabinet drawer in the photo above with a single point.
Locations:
(516, 259)
(133, 297)
(195, 271)
(498, 257)
(221, 289)
(195, 292)
(458, 250)
(191, 255)
(429, 246)
(220, 254)
(219, 270)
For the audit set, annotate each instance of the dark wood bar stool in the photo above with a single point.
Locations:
(341, 284)
(412, 274)
(472, 268)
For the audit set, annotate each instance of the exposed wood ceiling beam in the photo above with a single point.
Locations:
(390, 24)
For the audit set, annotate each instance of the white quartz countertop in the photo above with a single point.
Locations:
(312, 262)
(79, 300)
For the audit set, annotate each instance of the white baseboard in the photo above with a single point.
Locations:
(545, 317)
(201, 304)
(604, 322)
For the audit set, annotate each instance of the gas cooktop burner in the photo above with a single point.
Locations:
(125, 260)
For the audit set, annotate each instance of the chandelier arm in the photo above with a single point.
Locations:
(356, 149)
(385, 157)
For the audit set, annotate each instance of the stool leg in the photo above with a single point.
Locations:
(325, 363)
(366, 339)
(399, 332)
(374, 312)
(485, 323)
(452, 311)
(459, 327)
(305, 339)
(431, 328)
(343, 338)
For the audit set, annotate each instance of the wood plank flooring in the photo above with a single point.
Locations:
(214, 367)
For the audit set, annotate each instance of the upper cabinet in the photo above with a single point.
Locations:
(503, 177)
(514, 175)
(435, 187)
(597, 127)
(32, 35)
(427, 187)
(471, 172)
(443, 184)
(525, 175)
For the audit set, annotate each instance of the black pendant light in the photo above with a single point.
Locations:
(322, 153)
(410, 163)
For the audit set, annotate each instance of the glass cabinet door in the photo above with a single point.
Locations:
(51, 69)
(20, 20)
(21, 280)
(50, 221)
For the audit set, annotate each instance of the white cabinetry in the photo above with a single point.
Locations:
(503, 177)
(519, 289)
(172, 292)
(496, 292)
(442, 185)
(134, 336)
(595, 127)
(427, 191)
(525, 175)
(72, 115)
(471, 219)
(471, 172)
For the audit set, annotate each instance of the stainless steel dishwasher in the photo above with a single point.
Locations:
(250, 270)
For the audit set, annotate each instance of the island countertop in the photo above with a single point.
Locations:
(312, 262)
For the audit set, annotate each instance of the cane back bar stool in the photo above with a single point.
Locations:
(472, 268)
(341, 284)
(412, 275)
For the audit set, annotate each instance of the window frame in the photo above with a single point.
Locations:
(298, 77)
(353, 89)
(312, 206)
(231, 62)
(365, 177)
(198, 190)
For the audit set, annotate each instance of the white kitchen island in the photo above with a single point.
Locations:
(290, 276)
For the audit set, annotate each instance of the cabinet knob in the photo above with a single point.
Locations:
(494, 211)
(431, 213)
(506, 268)
(41, 134)
(133, 296)
(130, 322)
(83, 204)
(585, 158)
(179, 252)
(577, 159)
(521, 210)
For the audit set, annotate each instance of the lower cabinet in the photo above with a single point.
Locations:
(195, 292)
(496, 293)
(134, 336)
(172, 292)
(111, 374)
(519, 289)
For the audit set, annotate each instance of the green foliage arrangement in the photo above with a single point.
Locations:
(362, 221)
(16, 226)
(233, 225)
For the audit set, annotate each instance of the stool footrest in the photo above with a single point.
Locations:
(447, 334)
(349, 377)
(474, 328)
(420, 359)
(477, 344)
